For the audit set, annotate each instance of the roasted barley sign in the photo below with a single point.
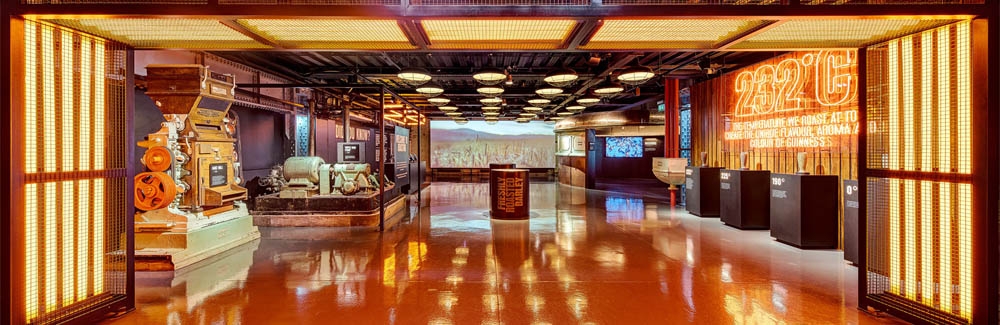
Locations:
(799, 100)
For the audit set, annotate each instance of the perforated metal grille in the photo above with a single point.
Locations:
(692, 2)
(74, 164)
(69, 2)
(310, 2)
(845, 33)
(500, 2)
(667, 33)
(331, 33)
(919, 111)
(165, 33)
(497, 33)
(889, 2)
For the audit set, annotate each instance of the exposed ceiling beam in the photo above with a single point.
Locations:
(726, 44)
(231, 23)
(618, 64)
(582, 33)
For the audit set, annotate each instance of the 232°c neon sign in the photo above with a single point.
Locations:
(827, 78)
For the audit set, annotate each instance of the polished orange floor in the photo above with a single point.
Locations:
(585, 257)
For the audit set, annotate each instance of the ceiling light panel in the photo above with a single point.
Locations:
(836, 33)
(157, 33)
(364, 34)
(498, 34)
(668, 33)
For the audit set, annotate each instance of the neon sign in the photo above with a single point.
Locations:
(806, 100)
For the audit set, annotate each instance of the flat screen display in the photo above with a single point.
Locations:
(623, 147)
(351, 152)
(477, 144)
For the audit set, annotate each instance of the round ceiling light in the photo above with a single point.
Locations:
(491, 101)
(561, 77)
(491, 108)
(588, 101)
(414, 76)
(539, 101)
(439, 101)
(461, 121)
(609, 89)
(491, 91)
(556, 118)
(565, 113)
(430, 89)
(636, 75)
(448, 108)
(490, 114)
(491, 121)
(549, 92)
(490, 76)
(453, 114)
(523, 120)
(527, 115)
(575, 108)
(532, 109)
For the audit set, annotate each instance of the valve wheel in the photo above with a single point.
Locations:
(157, 158)
(154, 190)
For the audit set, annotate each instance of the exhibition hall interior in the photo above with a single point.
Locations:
(500, 162)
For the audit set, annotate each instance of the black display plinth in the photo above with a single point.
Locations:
(851, 206)
(743, 195)
(702, 191)
(804, 210)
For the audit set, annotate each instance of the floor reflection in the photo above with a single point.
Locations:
(584, 257)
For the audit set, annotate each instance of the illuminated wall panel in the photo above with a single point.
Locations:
(73, 134)
(919, 160)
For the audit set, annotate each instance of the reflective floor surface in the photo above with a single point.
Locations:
(585, 257)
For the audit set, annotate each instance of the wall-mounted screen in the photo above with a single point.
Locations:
(351, 152)
(477, 144)
(623, 147)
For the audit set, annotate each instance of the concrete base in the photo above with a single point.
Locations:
(394, 211)
(169, 250)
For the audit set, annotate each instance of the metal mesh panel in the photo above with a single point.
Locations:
(310, 2)
(667, 33)
(75, 152)
(500, 2)
(692, 2)
(840, 33)
(919, 110)
(68, 2)
(151, 33)
(889, 2)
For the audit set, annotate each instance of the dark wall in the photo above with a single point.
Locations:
(608, 167)
(327, 139)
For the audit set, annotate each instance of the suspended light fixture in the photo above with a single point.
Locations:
(527, 115)
(491, 108)
(414, 76)
(439, 101)
(539, 101)
(561, 77)
(608, 89)
(575, 108)
(549, 92)
(588, 101)
(448, 108)
(461, 121)
(636, 75)
(532, 109)
(550, 121)
(491, 121)
(490, 76)
(565, 113)
(453, 114)
(491, 101)
(430, 89)
(491, 114)
(556, 118)
(491, 91)
(523, 120)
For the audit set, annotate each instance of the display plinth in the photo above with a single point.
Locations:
(702, 191)
(744, 198)
(174, 248)
(509, 194)
(804, 210)
(851, 206)
(359, 210)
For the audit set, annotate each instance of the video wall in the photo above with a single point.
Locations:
(477, 144)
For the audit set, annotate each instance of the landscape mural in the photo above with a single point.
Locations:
(477, 144)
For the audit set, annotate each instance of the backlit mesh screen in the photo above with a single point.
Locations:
(919, 120)
(74, 164)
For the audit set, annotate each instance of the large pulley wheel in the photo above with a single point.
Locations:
(154, 190)
(157, 158)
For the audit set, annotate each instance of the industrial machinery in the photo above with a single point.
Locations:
(670, 171)
(190, 200)
(309, 176)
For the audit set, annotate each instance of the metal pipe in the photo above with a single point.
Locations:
(381, 160)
